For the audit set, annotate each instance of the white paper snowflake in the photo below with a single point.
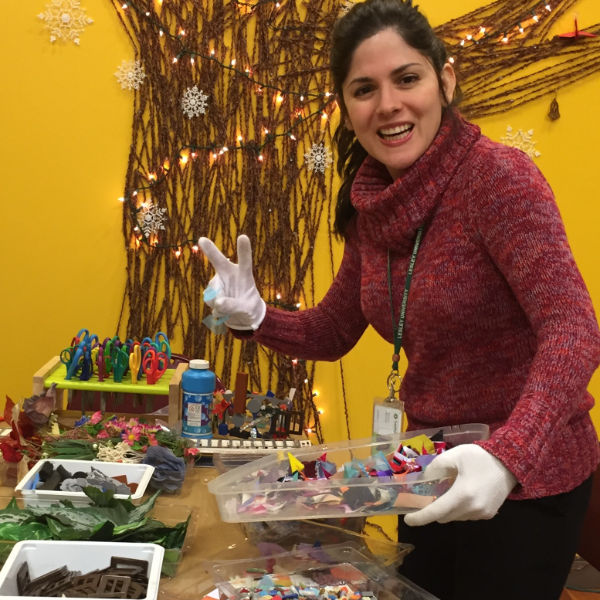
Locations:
(522, 140)
(153, 219)
(65, 20)
(130, 74)
(318, 158)
(193, 102)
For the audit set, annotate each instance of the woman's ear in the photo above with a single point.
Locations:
(448, 77)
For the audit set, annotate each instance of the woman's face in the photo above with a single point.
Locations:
(393, 100)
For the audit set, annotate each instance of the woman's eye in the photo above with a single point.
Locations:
(361, 91)
(408, 79)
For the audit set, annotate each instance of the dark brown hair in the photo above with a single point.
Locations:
(364, 20)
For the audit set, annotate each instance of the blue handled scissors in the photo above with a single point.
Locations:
(71, 357)
(154, 364)
(160, 343)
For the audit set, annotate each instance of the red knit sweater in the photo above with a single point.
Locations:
(499, 328)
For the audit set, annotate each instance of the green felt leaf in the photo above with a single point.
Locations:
(140, 512)
(31, 531)
(106, 519)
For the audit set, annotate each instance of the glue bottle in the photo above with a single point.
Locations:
(197, 384)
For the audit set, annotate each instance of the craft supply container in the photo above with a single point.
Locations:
(354, 569)
(135, 473)
(45, 556)
(252, 491)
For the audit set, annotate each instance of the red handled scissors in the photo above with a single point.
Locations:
(154, 365)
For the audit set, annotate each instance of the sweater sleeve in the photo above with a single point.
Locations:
(331, 328)
(517, 221)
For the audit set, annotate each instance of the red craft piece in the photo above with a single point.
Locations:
(576, 34)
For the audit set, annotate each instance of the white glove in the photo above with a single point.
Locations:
(233, 287)
(481, 486)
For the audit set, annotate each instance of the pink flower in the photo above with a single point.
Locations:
(102, 435)
(96, 418)
(191, 451)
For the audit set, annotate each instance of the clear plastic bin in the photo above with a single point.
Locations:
(320, 568)
(135, 473)
(252, 492)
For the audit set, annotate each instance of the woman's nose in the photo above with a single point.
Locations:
(390, 100)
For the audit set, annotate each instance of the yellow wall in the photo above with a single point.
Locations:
(65, 139)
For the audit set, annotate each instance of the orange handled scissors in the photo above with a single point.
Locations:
(154, 364)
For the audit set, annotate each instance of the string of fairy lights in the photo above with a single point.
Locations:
(287, 105)
(482, 34)
(189, 152)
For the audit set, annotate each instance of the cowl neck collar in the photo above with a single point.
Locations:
(390, 212)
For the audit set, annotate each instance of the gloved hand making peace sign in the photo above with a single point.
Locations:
(232, 293)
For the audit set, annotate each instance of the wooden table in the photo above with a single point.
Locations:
(208, 537)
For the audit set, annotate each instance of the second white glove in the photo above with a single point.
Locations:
(482, 484)
(233, 291)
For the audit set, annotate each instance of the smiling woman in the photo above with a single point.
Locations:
(459, 239)
(393, 100)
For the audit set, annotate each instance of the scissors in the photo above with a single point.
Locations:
(71, 357)
(101, 364)
(160, 343)
(154, 364)
(78, 356)
(88, 345)
(135, 361)
(120, 361)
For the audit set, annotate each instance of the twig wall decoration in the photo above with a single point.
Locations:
(232, 134)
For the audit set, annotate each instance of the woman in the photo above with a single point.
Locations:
(499, 327)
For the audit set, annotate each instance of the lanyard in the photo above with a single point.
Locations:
(394, 377)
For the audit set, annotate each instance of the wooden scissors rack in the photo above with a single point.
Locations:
(54, 372)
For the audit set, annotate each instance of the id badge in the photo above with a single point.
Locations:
(387, 416)
(388, 412)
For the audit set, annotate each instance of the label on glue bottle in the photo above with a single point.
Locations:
(196, 415)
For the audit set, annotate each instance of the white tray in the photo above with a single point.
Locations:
(45, 556)
(135, 473)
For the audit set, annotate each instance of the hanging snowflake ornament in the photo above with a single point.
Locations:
(130, 74)
(65, 20)
(521, 140)
(193, 102)
(318, 158)
(152, 219)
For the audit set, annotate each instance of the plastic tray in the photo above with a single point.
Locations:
(45, 556)
(332, 565)
(135, 473)
(252, 492)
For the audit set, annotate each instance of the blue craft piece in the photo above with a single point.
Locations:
(84, 419)
(266, 583)
(217, 326)
(349, 471)
(210, 293)
(382, 466)
(325, 469)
